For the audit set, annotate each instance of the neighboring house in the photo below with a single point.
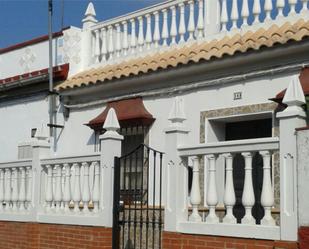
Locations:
(217, 86)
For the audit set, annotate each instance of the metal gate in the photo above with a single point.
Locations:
(138, 214)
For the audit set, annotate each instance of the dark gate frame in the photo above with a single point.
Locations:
(122, 195)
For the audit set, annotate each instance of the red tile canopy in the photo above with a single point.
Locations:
(130, 113)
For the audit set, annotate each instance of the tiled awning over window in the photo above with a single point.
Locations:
(130, 112)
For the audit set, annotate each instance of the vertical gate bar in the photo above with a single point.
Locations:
(160, 204)
(147, 207)
(129, 195)
(123, 202)
(154, 199)
(142, 197)
(135, 196)
(116, 227)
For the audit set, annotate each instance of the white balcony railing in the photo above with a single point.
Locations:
(225, 224)
(15, 189)
(70, 186)
(177, 22)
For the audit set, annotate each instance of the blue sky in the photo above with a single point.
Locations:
(22, 20)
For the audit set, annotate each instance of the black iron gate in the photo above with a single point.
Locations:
(138, 214)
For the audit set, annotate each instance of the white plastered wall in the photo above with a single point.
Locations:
(17, 118)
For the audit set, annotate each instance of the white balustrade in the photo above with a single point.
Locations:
(70, 186)
(176, 22)
(213, 153)
(13, 187)
(148, 29)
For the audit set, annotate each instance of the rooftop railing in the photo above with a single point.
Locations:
(178, 22)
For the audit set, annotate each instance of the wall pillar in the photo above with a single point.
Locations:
(291, 118)
(212, 17)
(176, 175)
(110, 148)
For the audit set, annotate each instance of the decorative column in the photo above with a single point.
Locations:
(29, 188)
(248, 198)
(22, 189)
(267, 196)
(76, 192)
(176, 208)
(14, 197)
(195, 196)
(289, 119)
(67, 187)
(212, 197)
(96, 187)
(86, 188)
(49, 188)
(229, 193)
(110, 148)
(88, 21)
(7, 188)
(58, 187)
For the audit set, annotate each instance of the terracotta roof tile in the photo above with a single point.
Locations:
(193, 52)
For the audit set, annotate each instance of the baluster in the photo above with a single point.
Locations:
(7, 193)
(104, 44)
(256, 10)
(165, 27)
(22, 189)
(292, 6)
(212, 198)
(49, 188)
(118, 40)
(125, 44)
(267, 196)
(200, 20)
(195, 196)
(245, 12)
(304, 5)
(96, 187)
(229, 192)
(173, 26)
(234, 14)
(191, 24)
(248, 199)
(133, 36)
(29, 188)
(97, 46)
(67, 187)
(76, 192)
(156, 34)
(280, 5)
(1, 189)
(224, 16)
(58, 187)
(148, 32)
(86, 188)
(111, 42)
(14, 197)
(182, 25)
(140, 33)
(268, 8)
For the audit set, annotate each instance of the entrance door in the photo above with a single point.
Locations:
(247, 130)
